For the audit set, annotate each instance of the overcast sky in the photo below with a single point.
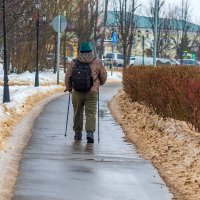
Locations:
(194, 6)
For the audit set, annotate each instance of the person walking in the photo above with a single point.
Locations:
(83, 78)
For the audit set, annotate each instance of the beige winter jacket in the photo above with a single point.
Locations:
(98, 71)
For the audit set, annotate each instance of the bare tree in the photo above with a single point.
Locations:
(125, 17)
(104, 28)
(84, 24)
(82, 17)
(22, 31)
(164, 28)
(195, 46)
(181, 38)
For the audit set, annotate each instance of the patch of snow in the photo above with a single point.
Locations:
(19, 95)
(116, 76)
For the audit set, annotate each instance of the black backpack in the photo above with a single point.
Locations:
(81, 79)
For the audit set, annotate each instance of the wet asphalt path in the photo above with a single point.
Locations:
(57, 168)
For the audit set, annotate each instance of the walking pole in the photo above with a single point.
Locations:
(67, 115)
(95, 51)
(98, 117)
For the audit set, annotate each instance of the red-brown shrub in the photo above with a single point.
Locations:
(171, 91)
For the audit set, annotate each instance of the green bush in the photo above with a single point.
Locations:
(171, 91)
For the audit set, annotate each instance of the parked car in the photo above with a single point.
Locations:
(175, 62)
(138, 60)
(118, 59)
(132, 60)
(189, 62)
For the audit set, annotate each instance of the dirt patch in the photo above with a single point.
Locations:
(171, 145)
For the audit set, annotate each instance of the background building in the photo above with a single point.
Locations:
(174, 36)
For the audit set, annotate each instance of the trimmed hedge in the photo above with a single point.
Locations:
(171, 91)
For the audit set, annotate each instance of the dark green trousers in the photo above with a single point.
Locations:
(84, 101)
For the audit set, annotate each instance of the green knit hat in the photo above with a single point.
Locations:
(86, 47)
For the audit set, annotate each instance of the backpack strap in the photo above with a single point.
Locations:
(76, 61)
(93, 59)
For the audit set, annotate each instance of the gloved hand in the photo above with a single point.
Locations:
(69, 90)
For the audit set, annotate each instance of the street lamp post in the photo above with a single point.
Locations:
(6, 95)
(143, 42)
(38, 7)
(155, 32)
(143, 50)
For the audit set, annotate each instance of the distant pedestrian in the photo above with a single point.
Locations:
(83, 78)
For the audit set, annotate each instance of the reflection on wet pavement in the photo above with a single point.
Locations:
(58, 168)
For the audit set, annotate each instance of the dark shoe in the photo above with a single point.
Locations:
(78, 136)
(90, 137)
